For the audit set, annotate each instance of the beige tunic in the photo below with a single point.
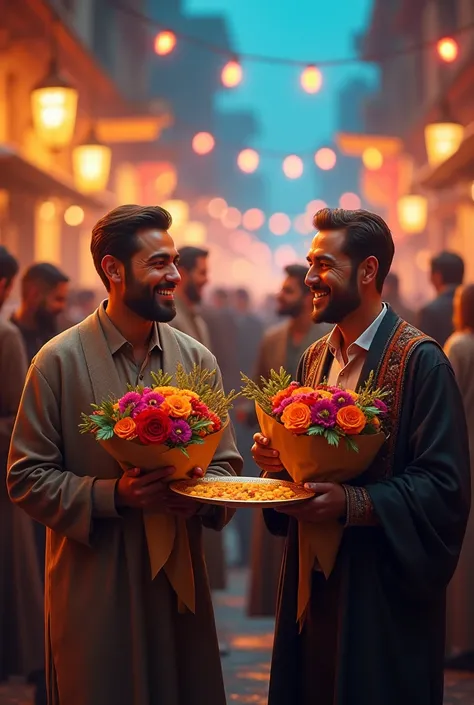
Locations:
(113, 635)
(460, 603)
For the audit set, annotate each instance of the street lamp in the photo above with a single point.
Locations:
(91, 164)
(54, 108)
(412, 213)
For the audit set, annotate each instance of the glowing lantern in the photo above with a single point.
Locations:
(248, 160)
(91, 164)
(216, 207)
(179, 212)
(292, 167)
(350, 201)
(54, 108)
(231, 218)
(74, 215)
(315, 206)
(372, 158)
(231, 74)
(442, 139)
(279, 224)
(412, 213)
(195, 233)
(311, 79)
(165, 42)
(448, 49)
(325, 158)
(253, 219)
(203, 143)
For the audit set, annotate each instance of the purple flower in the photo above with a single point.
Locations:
(323, 413)
(281, 408)
(129, 399)
(180, 432)
(381, 406)
(138, 408)
(147, 390)
(153, 399)
(342, 398)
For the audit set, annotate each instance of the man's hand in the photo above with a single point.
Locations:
(150, 491)
(328, 504)
(266, 457)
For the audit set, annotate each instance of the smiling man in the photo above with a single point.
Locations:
(113, 634)
(374, 631)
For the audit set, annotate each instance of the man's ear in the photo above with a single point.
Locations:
(369, 270)
(112, 269)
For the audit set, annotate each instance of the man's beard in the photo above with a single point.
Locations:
(147, 303)
(193, 293)
(340, 304)
(291, 310)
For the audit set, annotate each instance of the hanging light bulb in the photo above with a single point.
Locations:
(165, 42)
(54, 108)
(412, 213)
(91, 164)
(311, 79)
(292, 167)
(448, 49)
(442, 139)
(203, 143)
(248, 160)
(231, 74)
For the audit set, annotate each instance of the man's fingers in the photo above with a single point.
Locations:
(196, 473)
(318, 487)
(260, 439)
(262, 452)
(152, 476)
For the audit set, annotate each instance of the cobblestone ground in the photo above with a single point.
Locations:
(247, 668)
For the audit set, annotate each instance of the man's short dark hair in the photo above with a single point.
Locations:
(116, 233)
(367, 235)
(189, 255)
(45, 274)
(450, 266)
(8, 265)
(298, 272)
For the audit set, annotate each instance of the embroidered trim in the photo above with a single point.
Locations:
(359, 507)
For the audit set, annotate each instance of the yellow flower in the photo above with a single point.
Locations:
(166, 391)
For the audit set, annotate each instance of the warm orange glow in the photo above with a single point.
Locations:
(231, 218)
(47, 210)
(179, 212)
(279, 224)
(216, 207)
(311, 79)
(166, 183)
(412, 213)
(195, 233)
(231, 74)
(315, 206)
(260, 253)
(203, 143)
(350, 201)
(91, 163)
(442, 140)
(325, 158)
(54, 108)
(303, 223)
(253, 219)
(241, 241)
(285, 255)
(165, 42)
(74, 215)
(293, 167)
(448, 49)
(372, 158)
(248, 160)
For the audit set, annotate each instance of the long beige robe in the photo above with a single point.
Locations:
(194, 325)
(21, 592)
(113, 635)
(460, 598)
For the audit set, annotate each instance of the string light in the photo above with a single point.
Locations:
(216, 207)
(350, 201)
(231, 218)
(253, 219)
(293, 167)
(279, 224)
(248, 160)
(325, 158)
(448, 49)
(73, 216)
(231, 74)
(203, 143)
(311, 79)
(315, 206)
(165, 42)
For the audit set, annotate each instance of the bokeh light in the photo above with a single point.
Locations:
(203, 143)
(311, 79)
(253, 219)
(350, 201)
(47, 210)
(325, 158)
(165, 42)
(248, 160)
(74, 215)
(448, 49)
(293, 167)
(231, 74)
(315, 206)
(303, 223)
(372, 158)
(285, 255)
(216, 207)
(231, 218)
(241, 241)
(279, 224)
(179, 212)
(195, 233)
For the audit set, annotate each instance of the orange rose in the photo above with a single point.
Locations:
(296, 417)
(126, 428)
(189, 394)
(178, 406)
(351, 419)
(302, 390)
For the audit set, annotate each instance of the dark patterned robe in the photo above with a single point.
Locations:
(375, 630)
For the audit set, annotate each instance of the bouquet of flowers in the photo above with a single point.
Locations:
(167, 424)
(323, 434)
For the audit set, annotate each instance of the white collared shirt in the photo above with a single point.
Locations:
(347, 375)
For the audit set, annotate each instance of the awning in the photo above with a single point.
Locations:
(458, 168)
(19, 174)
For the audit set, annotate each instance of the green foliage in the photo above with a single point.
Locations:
(263, 391)
(368, 394)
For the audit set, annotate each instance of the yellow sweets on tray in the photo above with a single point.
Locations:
(241, 491)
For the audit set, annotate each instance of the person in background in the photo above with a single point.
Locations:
(460, 605)
(282, 346)
(223, 332)
(44, 293)
(391, 294)
(436, 318)
(250, 331)
(82, 303)
(21, 592)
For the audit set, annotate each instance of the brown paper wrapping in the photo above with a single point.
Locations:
(166, 535)
(312, 459)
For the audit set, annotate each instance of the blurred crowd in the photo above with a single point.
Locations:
(245, 336)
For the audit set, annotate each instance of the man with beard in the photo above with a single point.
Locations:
(373, 633)
(282, 346)
(194, 277)
(114, 635)
(44, 291)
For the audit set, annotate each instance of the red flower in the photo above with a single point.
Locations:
(153, 426)
(216, 422)
(199, 408)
